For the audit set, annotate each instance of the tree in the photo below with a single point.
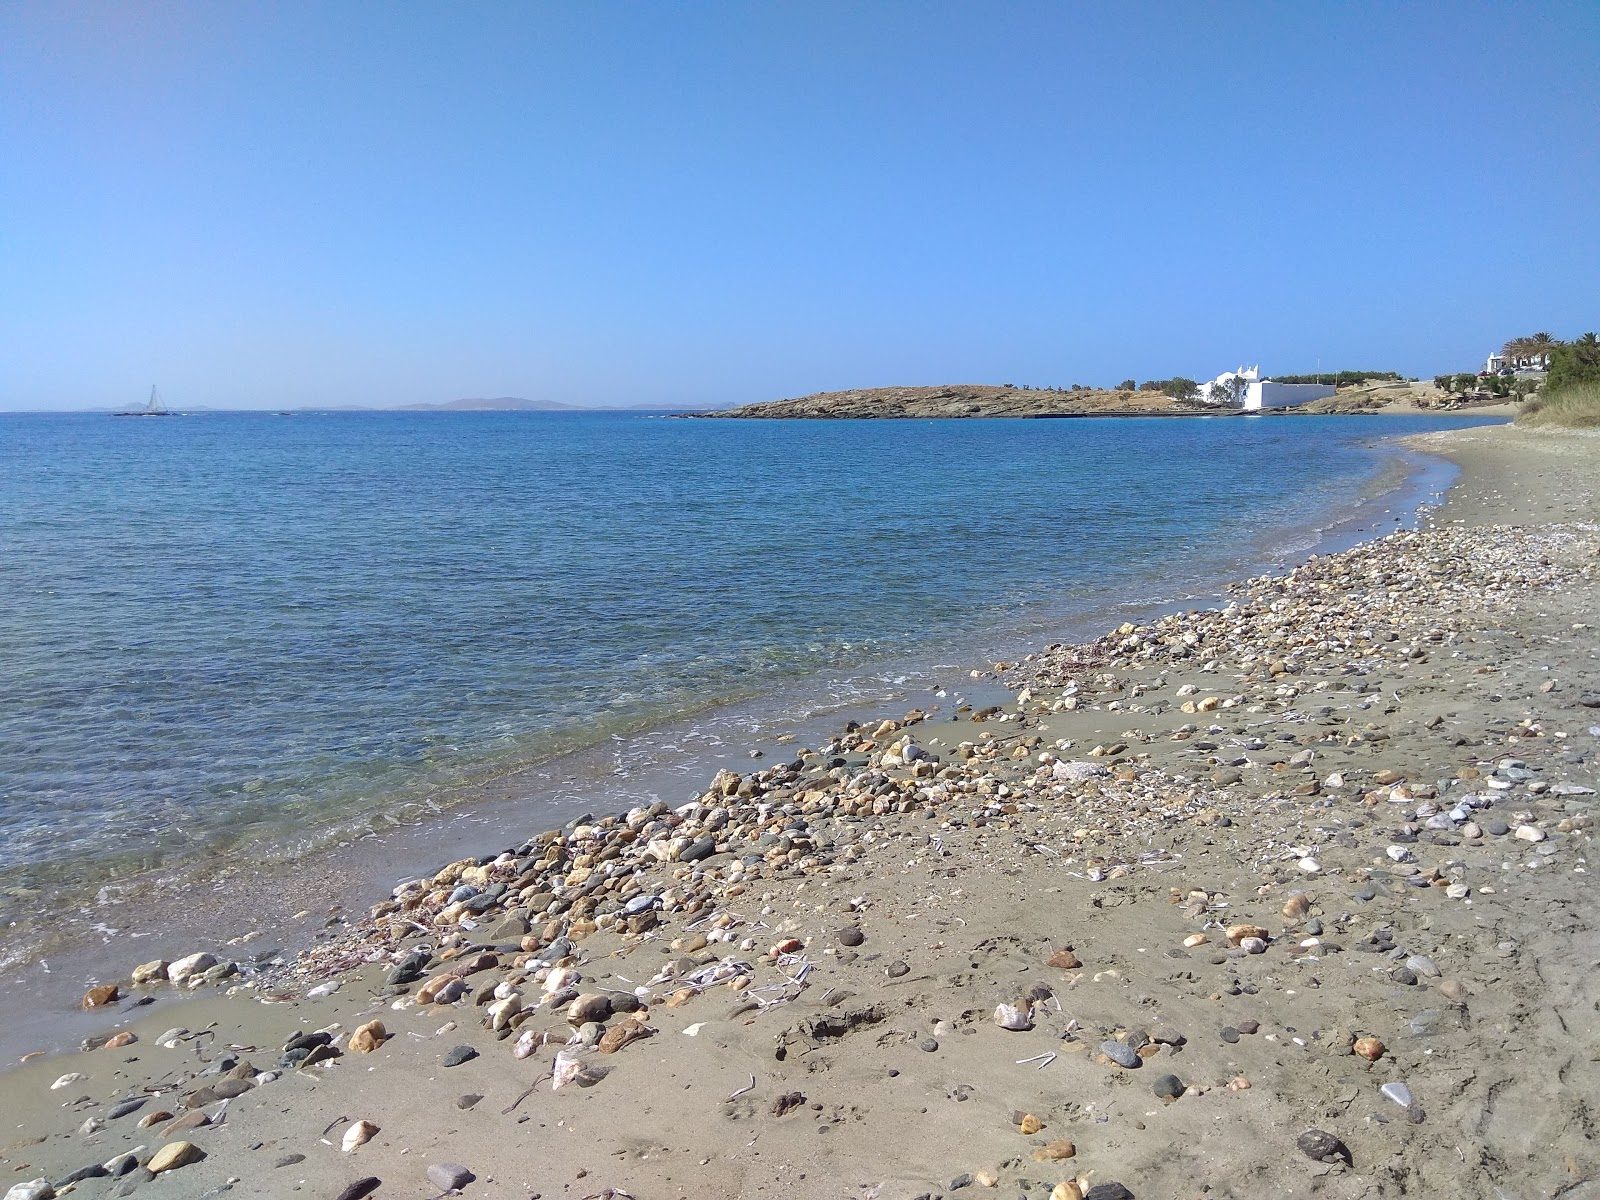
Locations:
(1127, 385)
(1180, 388)
(1574, 362)
(1230, 391)
(1534, 345)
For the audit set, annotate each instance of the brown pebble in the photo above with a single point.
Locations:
(1030, 1125)
(97, 997)
(1055, 1151)
(1369, 1048)
(1065, 959)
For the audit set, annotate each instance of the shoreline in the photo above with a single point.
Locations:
(269, 905)
(960, 887)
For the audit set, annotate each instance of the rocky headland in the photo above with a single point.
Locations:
(1285, 898)
(966, 400)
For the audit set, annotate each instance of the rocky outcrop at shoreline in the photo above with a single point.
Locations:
(966, 400)
(1285, 898)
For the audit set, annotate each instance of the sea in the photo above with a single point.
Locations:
(232, 642)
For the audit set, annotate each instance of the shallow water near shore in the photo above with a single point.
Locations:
(236, 640)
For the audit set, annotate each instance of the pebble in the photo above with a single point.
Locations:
(174, 1155)
(1108, 1191)
(33, 1189)
(1010, 1016)
(1168, 1088)
(1120, 1053)
(850, 935)
(1229, 1034)
(1321, 1146)
(457, 1055)
(1423, 965)
(190, 965)
(360, 1188)
(449, 1177)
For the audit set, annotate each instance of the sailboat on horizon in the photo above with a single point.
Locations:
(153, 407)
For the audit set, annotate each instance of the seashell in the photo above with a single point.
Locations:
(358, 1134)
(1010, 1016)
(572, 1066)
(69, 1078)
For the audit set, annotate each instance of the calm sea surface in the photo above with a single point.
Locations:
(259, 632)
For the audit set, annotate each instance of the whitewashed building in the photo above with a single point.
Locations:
(1259, 393)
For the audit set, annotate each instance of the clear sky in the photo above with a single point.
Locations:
(278, 204)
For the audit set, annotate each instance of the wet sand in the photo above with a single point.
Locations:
(1239, 876)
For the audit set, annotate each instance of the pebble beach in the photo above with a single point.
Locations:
(1289, 897)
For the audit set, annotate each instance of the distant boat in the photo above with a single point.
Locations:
(152, 408)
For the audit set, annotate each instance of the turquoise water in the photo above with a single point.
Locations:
(233, 631)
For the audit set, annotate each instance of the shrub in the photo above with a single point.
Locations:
(1339, 378)
(1575, 407)
(1127, 385)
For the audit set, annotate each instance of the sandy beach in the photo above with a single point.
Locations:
(1288, 898)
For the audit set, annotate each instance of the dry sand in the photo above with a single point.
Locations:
(1339, 716)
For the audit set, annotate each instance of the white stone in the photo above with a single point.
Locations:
(192, 964)
(1529, 833)
(34, 1189)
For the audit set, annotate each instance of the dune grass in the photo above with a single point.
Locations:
(1575, 407)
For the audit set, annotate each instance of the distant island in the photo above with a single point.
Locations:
(518, 404)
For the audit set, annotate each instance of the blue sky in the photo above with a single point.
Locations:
(276, 204)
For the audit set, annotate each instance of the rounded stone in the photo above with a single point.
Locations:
(448, 1177)
(1120, 1053)
(1321, 1146)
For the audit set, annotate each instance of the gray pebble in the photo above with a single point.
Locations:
(458, 1055)
(1168, 1087)
(449, 1177)
(1120, 1053)
(1230, 1034)
(1321, 1146)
